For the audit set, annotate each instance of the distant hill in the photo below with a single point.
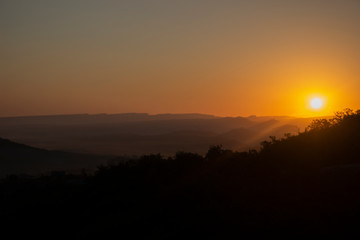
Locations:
(18, 158)
(141, 133)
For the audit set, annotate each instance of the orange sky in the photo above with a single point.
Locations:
(227, 58)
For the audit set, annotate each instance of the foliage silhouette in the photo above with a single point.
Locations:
(300, 185)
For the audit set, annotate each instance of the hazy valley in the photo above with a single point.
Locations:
(137, 134)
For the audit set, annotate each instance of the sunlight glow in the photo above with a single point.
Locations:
(316, 103)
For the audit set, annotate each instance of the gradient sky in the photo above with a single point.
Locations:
(228, 58)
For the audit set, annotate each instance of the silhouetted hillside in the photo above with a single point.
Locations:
(18, 158)
(296, 187)
(325, 142)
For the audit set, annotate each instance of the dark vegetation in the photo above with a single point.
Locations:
(296, 187)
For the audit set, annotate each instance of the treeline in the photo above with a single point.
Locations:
(297, 186)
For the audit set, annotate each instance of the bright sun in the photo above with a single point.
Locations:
(316, 103)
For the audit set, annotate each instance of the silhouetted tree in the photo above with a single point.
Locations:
(214, 152)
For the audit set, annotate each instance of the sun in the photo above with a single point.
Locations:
(316, 103)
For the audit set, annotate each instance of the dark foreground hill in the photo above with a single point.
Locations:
(297, 187)
(18, 158)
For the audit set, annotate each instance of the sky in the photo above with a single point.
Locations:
(227, 58)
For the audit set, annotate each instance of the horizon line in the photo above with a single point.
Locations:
(158, 114)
